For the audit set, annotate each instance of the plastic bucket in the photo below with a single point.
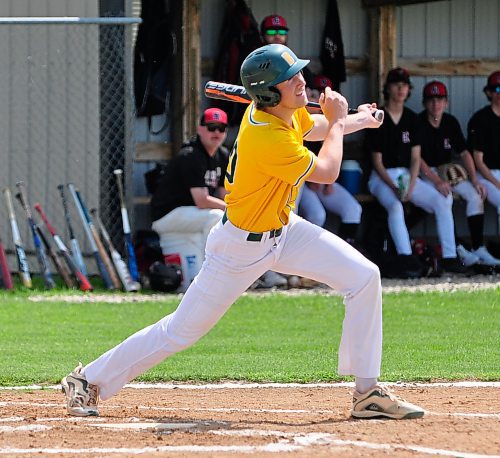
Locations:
(183, 249)
(350, 176)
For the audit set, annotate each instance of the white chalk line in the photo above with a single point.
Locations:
(245, 385)
(226, 410)
(287, 442)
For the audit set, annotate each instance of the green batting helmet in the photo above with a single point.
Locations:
(264, 68)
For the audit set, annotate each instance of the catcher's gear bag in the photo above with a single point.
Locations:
(164, 277)
(452, 173)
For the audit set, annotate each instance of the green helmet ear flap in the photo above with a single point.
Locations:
(269, 98)
(266, 67)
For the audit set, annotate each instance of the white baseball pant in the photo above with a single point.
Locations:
(231, 265)
(425, 196)
(188, 220)
(493, 196)
(465, 189)
(313, 205)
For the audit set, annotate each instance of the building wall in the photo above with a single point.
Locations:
(462, 29)
(306, 21)
(458, 29)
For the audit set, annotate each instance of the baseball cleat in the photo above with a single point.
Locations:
(467, 257)
(485, 257)
(81, 396)
(380, 402)
(273, 279)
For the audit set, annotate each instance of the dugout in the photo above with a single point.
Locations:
(76, 116)
(452, 40)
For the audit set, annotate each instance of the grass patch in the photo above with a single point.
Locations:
(445, 336)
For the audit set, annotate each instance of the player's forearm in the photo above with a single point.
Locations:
(356, 122)
(414, 168)
(211, 202)
(429, 173)
(330, 155)
(469, 166)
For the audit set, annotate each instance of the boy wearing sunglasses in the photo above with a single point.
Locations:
(274, 30)
(189, 198)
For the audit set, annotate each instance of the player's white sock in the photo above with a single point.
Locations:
(364, 384)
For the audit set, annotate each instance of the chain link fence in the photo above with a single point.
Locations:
(66, 116)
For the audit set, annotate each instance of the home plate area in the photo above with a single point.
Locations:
(462, 420)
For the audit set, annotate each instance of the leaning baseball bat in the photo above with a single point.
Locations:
(62, 268)
(120, 265)
(98, 252)
(235, 93)
(132, 261)
(100, 247)
(41, 254)
(4, 269)
(22, 262)
(83, 282)
(75, 246)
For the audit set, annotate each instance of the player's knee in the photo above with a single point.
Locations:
(396, 210)
(369, 272)
(443, 203)
(353, 214)
(317, 217)
(475, 206)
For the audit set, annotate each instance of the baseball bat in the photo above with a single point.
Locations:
(4, 269)
(235, 93)
(121, 267)
(41, 254)
(100, 246)
(98, 252)
(83, 282)
(22, 262)
(132, 261)
(61, 267)
(76, 252)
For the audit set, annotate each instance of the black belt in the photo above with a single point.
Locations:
(257, 236)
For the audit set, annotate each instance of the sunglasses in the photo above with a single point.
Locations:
(273, 32)
(213, 127)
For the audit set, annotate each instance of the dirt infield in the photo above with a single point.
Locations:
(243, 420)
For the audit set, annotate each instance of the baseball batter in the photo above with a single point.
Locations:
(259, 232)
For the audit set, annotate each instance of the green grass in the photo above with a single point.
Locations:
(429, 336)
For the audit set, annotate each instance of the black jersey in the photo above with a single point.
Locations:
(193, 167)
(439, 144)
(483, 134)
(395, 141)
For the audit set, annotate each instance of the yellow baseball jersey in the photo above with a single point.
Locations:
(267, 166)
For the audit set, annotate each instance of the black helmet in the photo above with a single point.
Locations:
(164, 277)
(264, 68)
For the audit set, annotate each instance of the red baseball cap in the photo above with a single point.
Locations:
(493, 82)
(274, 21)
(321, 82)
(434, 89)
(398, 75)
(213, 116)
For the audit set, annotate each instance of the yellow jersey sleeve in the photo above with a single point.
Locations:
(267, 166)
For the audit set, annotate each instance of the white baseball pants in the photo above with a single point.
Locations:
(465, 189)
(493, 196)
(313, 205)
(187, 220)
(425, 196)
(231, 265)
